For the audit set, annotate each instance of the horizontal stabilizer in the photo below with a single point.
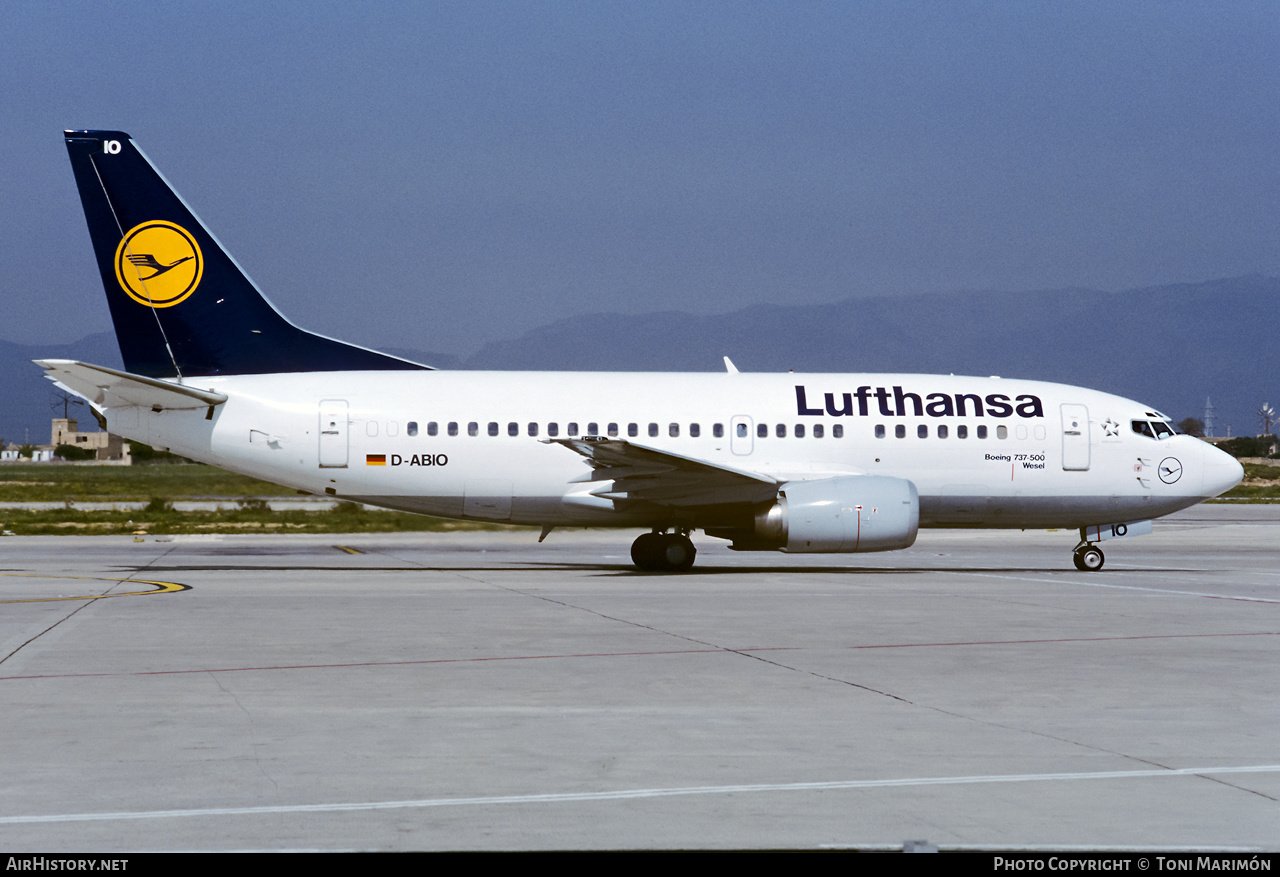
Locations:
(108, 388)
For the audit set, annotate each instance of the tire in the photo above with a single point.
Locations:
(678, 553)
(663, 552)
(646, 552)
(1089, 559)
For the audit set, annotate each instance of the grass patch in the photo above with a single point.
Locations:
(47, 482)
(160, 486)
(1253, 491)
(1263, 471)
(160, 519)
(1261, 484)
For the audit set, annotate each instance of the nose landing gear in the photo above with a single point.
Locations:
(663, 552)
(1088, 557)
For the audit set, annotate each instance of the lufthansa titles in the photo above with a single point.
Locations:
(895, 402)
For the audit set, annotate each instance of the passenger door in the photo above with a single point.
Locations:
(334, 443)
(1075, 437)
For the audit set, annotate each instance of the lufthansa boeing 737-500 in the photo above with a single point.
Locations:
(800, 463)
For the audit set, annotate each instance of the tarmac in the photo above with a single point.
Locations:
(479, 691)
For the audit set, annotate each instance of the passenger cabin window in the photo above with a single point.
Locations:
(717, 430)
(780, 430)
(695, 430)
(533, 429)
(962, 431)
(762, 430)
(493, 427)
(817, 430)
(573, 429)
(922, 431)
(453, 428)
(879, 430)
(411, 428)
(837, 431)
(1002, 432)
(553, 429)
(799, 430)
(633, 430)
(653, 430)
(942, 430)
(473, 428)
(613, 430)
(900, 431)
(593, 429)
(742, 430)
(982, 432)
(673, 430)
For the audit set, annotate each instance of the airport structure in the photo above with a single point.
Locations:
(105, 446)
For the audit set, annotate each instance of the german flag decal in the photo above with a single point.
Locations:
(375, 459)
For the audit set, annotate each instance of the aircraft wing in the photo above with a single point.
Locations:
(108, 388)
(632, 472)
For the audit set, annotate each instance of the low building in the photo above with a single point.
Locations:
(104, 445)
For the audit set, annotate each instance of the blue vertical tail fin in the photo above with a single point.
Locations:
(180, 304)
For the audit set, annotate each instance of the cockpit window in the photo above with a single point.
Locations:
(1155, 429)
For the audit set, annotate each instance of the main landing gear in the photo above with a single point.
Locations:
(1088, 557)
(664, 552)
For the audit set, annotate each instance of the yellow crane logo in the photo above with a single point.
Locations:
(158, 264)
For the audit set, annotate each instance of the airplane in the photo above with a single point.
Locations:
(797, 463)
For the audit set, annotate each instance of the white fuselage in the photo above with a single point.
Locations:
(982, 452)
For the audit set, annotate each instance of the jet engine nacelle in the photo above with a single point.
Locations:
(847, 514)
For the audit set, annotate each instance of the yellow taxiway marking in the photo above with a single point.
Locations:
(348, 549)
(160, 587)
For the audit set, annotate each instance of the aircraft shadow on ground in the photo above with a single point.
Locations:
(630, 571)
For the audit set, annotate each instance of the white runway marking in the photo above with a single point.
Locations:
(625, 794)
(1085, 584)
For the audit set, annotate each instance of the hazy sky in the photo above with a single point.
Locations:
(438, 175)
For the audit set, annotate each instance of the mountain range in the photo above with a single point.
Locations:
(1166, 346)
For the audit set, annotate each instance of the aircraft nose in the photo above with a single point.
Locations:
(1221, 471)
